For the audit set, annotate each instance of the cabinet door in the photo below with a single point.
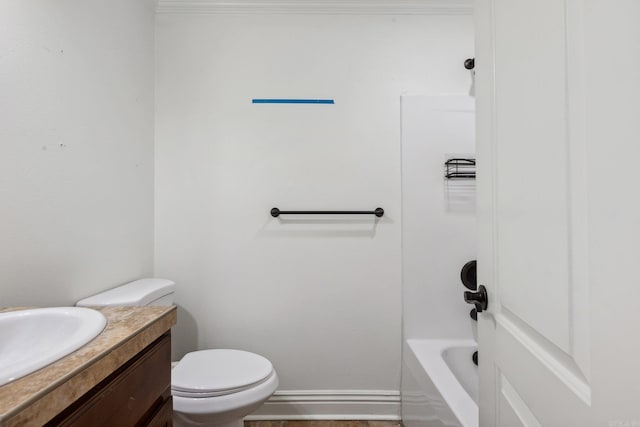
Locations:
(164, 415)
(131, 396)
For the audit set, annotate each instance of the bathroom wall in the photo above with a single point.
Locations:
(319, 296)
(76, 130)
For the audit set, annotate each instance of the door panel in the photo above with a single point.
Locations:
(558, 125)
(550, 389)
(513, 410)
(539, 230)
(532, 188)
(532, 205)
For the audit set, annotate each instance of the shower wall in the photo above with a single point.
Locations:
(438, 215)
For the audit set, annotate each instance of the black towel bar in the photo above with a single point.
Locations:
(275, 212)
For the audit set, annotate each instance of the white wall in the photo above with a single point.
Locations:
(320, 297)
(438, 216)
(76, 132)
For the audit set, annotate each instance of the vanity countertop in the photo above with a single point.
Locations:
(39, 396)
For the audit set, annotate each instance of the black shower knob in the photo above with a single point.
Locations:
(468, 275)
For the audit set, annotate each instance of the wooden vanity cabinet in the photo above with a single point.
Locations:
(136, 394)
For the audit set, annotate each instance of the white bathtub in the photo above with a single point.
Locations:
(440, 384)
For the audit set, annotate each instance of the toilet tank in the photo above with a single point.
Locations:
(143, 292)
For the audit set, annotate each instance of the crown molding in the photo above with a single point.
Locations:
(319, 7)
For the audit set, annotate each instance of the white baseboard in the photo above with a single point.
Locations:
(330, 405)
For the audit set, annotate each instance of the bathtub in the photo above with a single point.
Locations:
(440, 384)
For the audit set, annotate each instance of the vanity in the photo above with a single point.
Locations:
(120, 378)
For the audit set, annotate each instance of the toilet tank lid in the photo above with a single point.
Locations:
(138, 293)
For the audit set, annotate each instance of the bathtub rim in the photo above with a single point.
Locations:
(425, 356)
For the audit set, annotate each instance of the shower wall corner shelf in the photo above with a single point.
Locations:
(460, 168)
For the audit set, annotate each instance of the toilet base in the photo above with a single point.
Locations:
(234, 423)
(222, 411)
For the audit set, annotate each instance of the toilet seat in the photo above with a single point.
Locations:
(218, 372)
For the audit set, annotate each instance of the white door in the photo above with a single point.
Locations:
(558, 146)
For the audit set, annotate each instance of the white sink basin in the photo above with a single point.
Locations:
(32, 339)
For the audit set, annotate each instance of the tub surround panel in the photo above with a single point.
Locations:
(438, 238)
(36, 398)
(438, 216)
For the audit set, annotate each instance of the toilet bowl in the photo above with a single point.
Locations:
(219, 387)
(213, 388)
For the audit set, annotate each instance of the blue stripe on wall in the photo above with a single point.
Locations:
(292, 101)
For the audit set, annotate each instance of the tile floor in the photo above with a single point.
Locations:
(322, 424)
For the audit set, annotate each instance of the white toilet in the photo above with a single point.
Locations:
(209, 387)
